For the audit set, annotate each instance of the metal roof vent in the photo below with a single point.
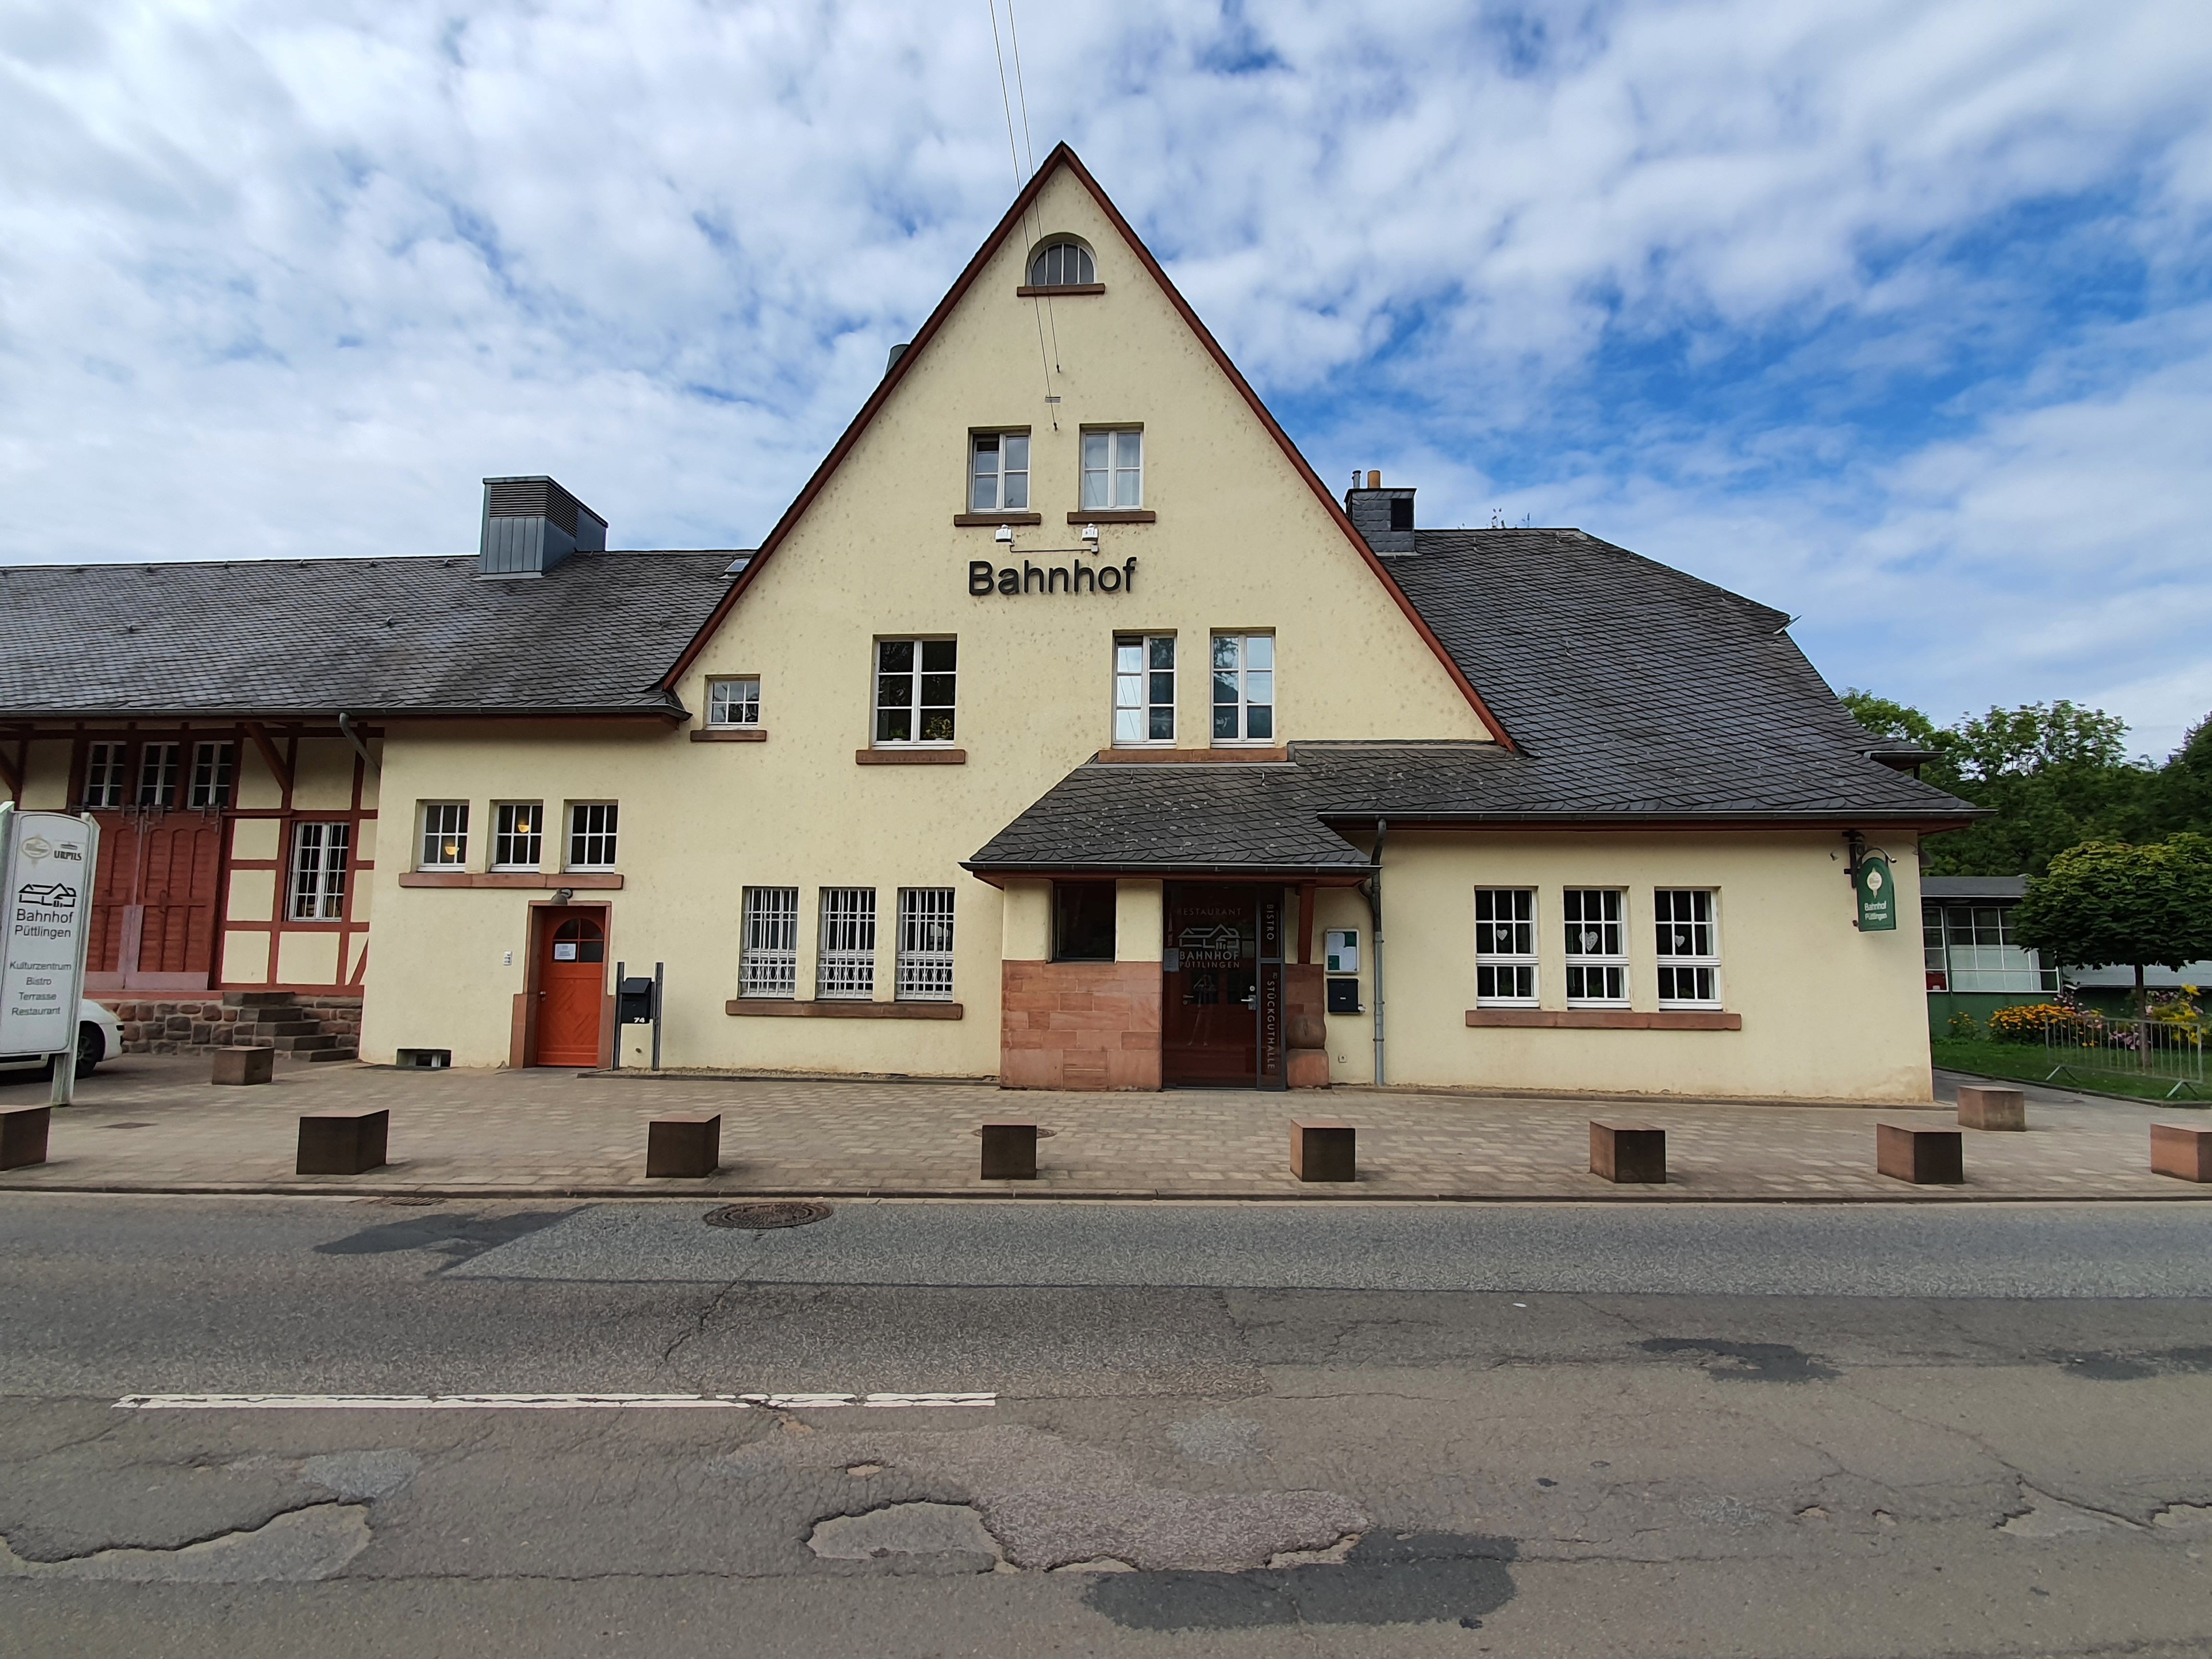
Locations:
(531, 524)
(1384, 517)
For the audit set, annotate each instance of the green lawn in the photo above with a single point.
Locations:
(2030, 1062)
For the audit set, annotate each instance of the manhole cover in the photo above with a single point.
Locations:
(758, 1218)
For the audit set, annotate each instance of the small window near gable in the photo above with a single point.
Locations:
(733, 702)
(1062, 265)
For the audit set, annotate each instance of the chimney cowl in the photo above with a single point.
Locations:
(1383, 517)
(531, 524)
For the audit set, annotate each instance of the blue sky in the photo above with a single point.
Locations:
(1896, 316)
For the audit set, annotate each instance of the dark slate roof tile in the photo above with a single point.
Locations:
(383, 635)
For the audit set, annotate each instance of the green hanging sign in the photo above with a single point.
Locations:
(1877, 889)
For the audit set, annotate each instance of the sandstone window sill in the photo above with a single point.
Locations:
(1606, 1020)
(1067, 291)
(1134, 757)
(910, 757)
(792, 1008)
(579, 880)
(978, 520)
(1118, 515)
(731, 734)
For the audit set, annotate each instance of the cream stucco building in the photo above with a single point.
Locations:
(1065, 730)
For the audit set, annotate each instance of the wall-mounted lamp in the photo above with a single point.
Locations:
(1005, 534)
(562, 895)
(1090, 534)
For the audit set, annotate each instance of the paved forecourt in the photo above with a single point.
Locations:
(155, 1123)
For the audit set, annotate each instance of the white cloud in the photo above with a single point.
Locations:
(279, 275)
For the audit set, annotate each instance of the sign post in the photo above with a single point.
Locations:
(1877, 891)
(47, 862)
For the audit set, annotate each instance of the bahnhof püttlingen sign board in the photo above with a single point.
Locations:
(47, 864)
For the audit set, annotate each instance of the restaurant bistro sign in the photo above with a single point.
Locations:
(984, 578)
(46, 864)
(1877, 889)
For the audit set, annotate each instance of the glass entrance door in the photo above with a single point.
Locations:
(1217, 988)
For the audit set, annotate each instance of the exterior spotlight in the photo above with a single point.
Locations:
(562, 895)
(1005, 534)
(1090, 534)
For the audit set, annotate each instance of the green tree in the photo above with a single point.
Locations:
(2109, 903)
(2054, 774)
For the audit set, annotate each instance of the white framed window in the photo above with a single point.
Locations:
(845, 955)
(159, 763)
(104, 775)
(518, 839)
(1143, 688)
(1506, 947)
(445, 834)
(1113, 469)
(925, 945)
(320, 854)
(915, 685)
(592, 834)
(1062, 265)
(1598, 947)
(211, 769)
(768, 954)
(1689, 948)
(998, 473)
(733, 702)
(1243, 688)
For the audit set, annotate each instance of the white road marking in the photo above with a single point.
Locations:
(533, 1403)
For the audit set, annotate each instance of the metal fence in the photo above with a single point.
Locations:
(2092, 1049)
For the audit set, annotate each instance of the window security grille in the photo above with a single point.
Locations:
(845, 960)
(999, 466)
(445, 834)
(925, 945)
(1113, 472)
(592, 836)
(916, 681)
(768, 956)
(1243, 688)
(1143, 688)
(104, 775)
(158, 766)
(211, 767)
(1597, 952)
(1689, 953)
(1505, 947)
(519, 836)
(319, 852)
(733, 702)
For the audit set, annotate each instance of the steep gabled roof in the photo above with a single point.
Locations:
(1063, 157)
(386, 636)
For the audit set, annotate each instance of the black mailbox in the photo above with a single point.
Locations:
(633, 1002)
(1343, 996)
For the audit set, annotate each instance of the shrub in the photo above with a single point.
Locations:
(2028, 1022)
(1963, 1027)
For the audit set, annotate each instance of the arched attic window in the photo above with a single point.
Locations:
(1062, 263)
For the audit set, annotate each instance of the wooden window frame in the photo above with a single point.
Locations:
(1609, 965)
(1521, 965)
(1673, 962)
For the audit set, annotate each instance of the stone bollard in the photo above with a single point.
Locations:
(244, 1066)
(688, 1144)
(1324, 1149)
(343, 1143)
(1628, 1152)
(1982, 1108)
(2183, 1150)
(1925, 1158)
(23, 1135)
(1009, 1151)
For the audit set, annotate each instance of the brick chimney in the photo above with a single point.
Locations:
(531, 524)
(1384, 517)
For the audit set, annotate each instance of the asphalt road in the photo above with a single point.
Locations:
(1220, 1430)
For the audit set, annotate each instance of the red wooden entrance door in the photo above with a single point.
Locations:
(572, 988)
(1209, 1022)
(154, 904)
